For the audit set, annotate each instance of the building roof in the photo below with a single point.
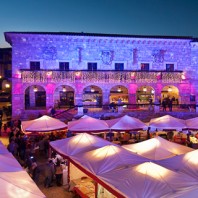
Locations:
(101, 35)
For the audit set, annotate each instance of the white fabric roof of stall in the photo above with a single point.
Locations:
(186, 163)
(43, 124)
(157, 148)
(3, 149)
(8, 163)
(192, 123)
(107, 158)
(151, 180)
(126, 123)
(18, 184)
(80, 143)
(87, 124)
(167, 122)
(14, 181)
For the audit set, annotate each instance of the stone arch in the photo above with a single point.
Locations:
(92, 95)
(171, 92)
(64, 96)
(145, 94)
(117, 93)
(35, 97)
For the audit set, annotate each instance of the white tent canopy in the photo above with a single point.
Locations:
(167, 122)
(192, 123)
(43, 124)
(107, 158)
(3, 149)
(88, 124)
(9, 164)
(18, 185)
(186, 163)
(15, 182)
(151, 180)
(77, 144)
(126, 123)
(157, 148)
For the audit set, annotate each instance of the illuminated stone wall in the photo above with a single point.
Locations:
(78, 50)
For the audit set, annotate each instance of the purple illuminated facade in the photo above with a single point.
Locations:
(66, 69)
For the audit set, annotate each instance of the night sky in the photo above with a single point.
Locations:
(135, 17)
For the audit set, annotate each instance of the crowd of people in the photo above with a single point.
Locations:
(29, 149)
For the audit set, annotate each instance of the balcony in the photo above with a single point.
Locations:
(100, 76)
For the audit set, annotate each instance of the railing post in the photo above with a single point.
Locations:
(197, 107)
(157, 107)
(80, 110)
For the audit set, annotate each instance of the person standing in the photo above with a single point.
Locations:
(58, 173)
(164, 105)
(49, 174)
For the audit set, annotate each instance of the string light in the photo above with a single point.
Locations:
(100, 76)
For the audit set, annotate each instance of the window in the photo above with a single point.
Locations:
(35, 65)
(64, 66)
(169, 67)
(119, 66)
(145, 66)
(92, 66)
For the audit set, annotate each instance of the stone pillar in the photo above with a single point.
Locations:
(49, 100)
(132, 100)
(105, 99)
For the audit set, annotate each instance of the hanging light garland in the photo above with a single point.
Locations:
(100, 76)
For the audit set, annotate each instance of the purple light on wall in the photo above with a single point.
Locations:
(133, 88)
(50, 88)
(17, 88)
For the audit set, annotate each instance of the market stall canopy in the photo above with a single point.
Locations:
(43, 124)
(80, 143)
(88, 124)
(107, 158)
(14, 181)
(18, 184)
(126, 123)
(151, 180)
(157, 148)
(167, 122)
(192, 124)
(3, 149)
(186, 163)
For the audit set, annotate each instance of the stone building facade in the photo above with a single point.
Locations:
(66, 69)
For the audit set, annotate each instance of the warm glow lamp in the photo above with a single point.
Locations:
(144, 89)
(92, 89)
(119, 89)
(35, 89)
(169, 89)
(64, 89)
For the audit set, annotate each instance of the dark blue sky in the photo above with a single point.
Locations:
(136, 17)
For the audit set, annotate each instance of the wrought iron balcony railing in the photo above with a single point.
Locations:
(99, 76)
